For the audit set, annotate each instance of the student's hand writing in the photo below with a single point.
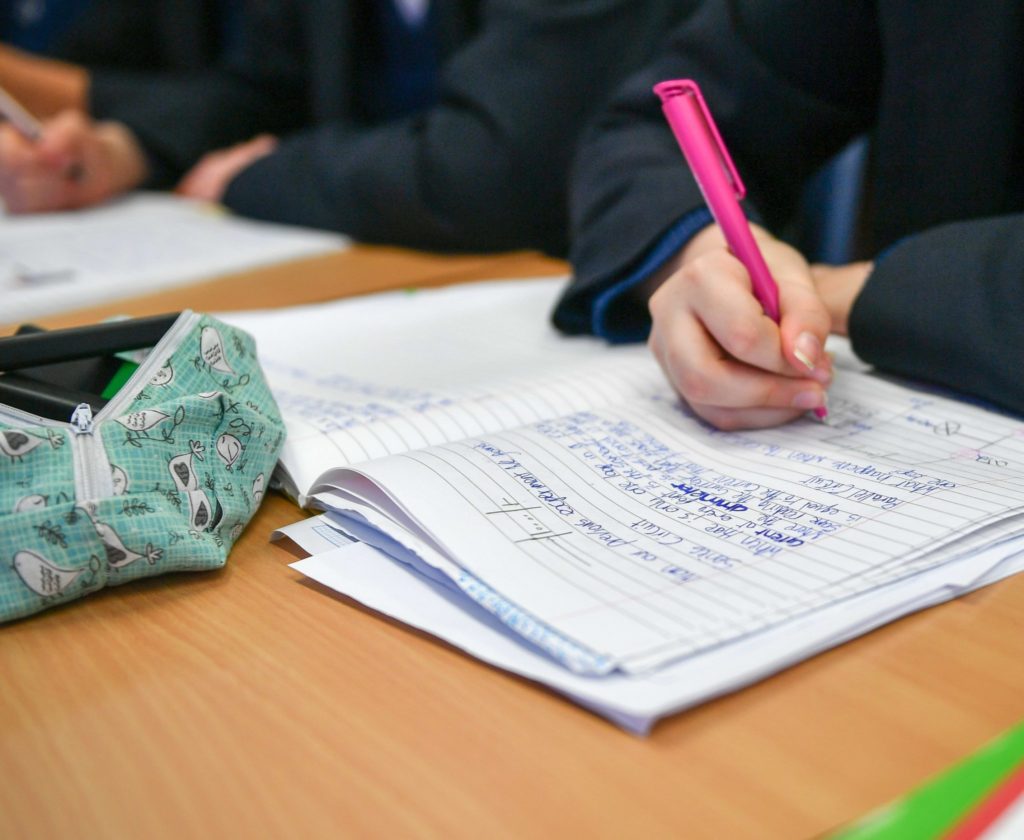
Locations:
(209, 178)
(75, 163)
(734, 366)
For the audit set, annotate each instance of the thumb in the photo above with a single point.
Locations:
(804, 326)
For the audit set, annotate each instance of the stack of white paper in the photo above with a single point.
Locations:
(147, 241)
(633, 702)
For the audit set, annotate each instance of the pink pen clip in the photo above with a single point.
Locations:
(702, 146)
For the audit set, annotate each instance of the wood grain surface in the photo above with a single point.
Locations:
(251, 702)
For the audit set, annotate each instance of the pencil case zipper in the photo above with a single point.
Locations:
(93, 479)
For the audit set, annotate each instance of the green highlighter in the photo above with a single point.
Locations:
(50, 373)
(124, 373)
(946, 801)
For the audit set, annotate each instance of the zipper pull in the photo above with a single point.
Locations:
(81, 419)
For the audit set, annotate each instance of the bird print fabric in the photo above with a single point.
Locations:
(165, 479)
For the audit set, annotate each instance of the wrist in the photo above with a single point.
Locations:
(45, 86)
(126, 161)
(838, 287)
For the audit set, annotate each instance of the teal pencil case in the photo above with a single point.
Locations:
(163, 478)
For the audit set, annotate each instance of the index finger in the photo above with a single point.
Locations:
(16, 151)
(64, 137)
(716, 288)
(804, 326)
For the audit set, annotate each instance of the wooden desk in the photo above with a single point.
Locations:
(251, 702)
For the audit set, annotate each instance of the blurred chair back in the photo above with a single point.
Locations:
(832, 205)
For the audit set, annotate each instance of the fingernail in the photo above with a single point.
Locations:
(807, 349)
(807, 400)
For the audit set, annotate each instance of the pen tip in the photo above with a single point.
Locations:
(822, 411)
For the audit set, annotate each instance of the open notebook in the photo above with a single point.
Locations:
(556, 489)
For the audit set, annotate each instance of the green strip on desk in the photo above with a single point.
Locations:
(935, 808)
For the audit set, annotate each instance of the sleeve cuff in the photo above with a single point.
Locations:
(618, 318)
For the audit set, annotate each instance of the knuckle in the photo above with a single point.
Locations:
(73, 118)
(693, 384)
(727, 421)
(770, 394)
(694, 274)
(740, 339)
(731, 422)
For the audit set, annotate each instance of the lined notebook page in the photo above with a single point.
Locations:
(560, 485)
(641, 536)
(360, 379)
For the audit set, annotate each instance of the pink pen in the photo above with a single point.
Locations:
(719, 183)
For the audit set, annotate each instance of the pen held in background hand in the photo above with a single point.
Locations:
(720, 184)
(31, 129)
(16, 115)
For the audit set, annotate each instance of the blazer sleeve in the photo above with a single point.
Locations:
(789, 83)
(486, 167)
(145, 36)
(111, 33)
(259, 84)
(946, 306)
